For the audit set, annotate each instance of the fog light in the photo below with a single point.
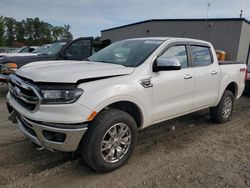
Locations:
(54, 136)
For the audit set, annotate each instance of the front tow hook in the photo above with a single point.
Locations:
(13, 116)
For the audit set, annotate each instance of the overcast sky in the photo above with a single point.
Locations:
(89, 17)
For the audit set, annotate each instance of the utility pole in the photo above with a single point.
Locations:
(208, 6)
(241, 13)
(207, 26)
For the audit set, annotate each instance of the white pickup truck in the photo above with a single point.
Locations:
(98, 105)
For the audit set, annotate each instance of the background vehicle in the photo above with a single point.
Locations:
(25, 49)
(41, 49)
(78, 49)
(247, 86)
(98, 108)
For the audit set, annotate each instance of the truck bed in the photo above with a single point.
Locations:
(230, 62)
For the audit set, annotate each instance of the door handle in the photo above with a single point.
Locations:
(213, 73)
(188, 76)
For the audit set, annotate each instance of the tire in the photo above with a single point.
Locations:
(98, 146)
(223, 111)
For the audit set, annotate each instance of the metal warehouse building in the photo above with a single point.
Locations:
(231, 35)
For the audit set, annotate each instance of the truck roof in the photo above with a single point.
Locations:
(171, 38)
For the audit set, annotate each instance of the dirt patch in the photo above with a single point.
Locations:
(198, 153)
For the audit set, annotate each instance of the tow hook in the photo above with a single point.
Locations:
(13, 116)
(39, 148)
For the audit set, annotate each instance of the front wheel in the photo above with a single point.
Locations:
(109, 141)
(223, 111)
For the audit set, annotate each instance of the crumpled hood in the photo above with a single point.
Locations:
(70, 71)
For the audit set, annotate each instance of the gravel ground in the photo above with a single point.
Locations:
(198, 153)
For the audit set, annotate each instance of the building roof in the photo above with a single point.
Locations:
(176, 20)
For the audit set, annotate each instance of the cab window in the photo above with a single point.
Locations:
(179, 52)
(201, 55)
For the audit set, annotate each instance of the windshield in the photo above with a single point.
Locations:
(41, 49)
(129, 53)
(18, 50)
(54, 48)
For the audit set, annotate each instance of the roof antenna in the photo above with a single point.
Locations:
(241, 13)
(208, 6)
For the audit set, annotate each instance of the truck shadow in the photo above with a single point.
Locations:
(3, 90)
(171, 135)
(148, 141)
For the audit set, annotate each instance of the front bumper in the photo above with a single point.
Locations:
(53, 136)
(61, 139)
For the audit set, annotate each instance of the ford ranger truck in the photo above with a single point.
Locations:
(97, 106)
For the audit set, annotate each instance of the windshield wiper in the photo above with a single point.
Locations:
(104, 61)
(113, 63)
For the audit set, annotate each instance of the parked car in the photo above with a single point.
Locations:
(97, 106)
(25, 49)
(41, 49)
(18, 51)
(35, 52)
(247, 87)
(77, 49)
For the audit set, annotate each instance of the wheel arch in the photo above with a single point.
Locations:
(233, 87)
(128, 106)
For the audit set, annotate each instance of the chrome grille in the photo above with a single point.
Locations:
(24, 93)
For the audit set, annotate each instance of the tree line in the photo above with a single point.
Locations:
(31, 31)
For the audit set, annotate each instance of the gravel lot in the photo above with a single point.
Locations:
(197, 153)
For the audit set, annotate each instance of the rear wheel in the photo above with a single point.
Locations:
(223, 111)
(109, 141)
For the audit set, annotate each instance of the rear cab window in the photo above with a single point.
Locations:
(201, 55)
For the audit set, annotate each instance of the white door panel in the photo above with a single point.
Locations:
(207, 77)
(173, 93)
(207, 82)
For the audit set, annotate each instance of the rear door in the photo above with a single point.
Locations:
(173, 91)
(207, 77)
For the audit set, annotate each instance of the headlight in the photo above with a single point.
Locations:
(9, 68)
(61, 96)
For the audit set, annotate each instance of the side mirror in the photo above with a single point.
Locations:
(164, 63)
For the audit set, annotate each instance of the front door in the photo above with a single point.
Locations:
(173, 91)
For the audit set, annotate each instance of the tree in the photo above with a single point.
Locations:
(31, 31)
(10, 30)
(66, 34)
(28, 26)
(56, 33)
(20, 32)
(2, 41)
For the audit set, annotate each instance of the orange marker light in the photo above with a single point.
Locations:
(92, 116)
(10, 65)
